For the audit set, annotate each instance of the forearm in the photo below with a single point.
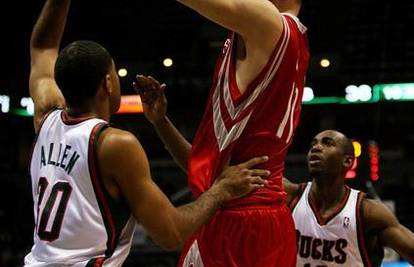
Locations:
(192, 216)
(401, 240)
(407, 253)
(49, 28)
(247, 17)
(218, 11)
(391, 233)
(175, 143)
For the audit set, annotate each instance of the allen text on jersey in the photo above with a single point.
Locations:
(65, 158)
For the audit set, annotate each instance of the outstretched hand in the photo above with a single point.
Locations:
(153, 98)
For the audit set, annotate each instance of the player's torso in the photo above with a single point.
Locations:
(73, 222)
(261, 121)
(331, 241)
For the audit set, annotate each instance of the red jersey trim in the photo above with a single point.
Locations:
(98, 188)
(268, 70)
(230, 120)
(361, 231)
(96, 262)
(72, 121)
(297, 197)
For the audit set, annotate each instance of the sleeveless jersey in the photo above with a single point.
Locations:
(261, 121)
(76, 221)
(334, 241)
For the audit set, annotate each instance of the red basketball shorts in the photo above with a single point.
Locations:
(244, 237)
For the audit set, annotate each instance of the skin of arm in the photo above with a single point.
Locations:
(125, 171)
(390, 232)
(174, 141)
(44, 46)
(257, 21)
(258, 24)
(291, 189)
(155, 109)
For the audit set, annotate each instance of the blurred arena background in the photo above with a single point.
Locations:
(361, 82)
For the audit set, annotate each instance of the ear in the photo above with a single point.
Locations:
(348, 161)
(108, 84)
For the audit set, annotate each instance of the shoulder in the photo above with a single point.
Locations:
(290, 188)
(372, 206)
(294, 192)
(117, 143)
(293, 22)
(121, 155)
(117, 136)
(376, 214)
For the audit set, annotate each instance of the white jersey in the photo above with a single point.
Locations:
(76, 221)
(333, 241)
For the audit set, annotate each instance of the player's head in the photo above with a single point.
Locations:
(331, 153)
(85, 70)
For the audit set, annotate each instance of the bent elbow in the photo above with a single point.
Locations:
(171, 242)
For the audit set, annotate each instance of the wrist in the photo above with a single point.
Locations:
(219, 192)
(161, 122)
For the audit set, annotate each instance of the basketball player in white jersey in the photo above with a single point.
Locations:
(90, 182)
(337, 225)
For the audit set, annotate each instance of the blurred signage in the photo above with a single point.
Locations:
(129, 104)
(364, 93)
(354, 94)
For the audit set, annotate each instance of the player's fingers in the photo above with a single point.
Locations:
(136, 87)
(254, 161)
(139, 78)
(162, 87)
(258, 180)
(154, 81)
(254, 187)
(147, 98)
(151, 84)
(260, 172)
(140, 83)
(145, 83)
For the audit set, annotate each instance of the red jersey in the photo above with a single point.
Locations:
(262, 121)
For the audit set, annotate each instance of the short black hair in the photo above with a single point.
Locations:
(79, 70)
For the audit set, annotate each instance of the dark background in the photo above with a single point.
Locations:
(368, 42)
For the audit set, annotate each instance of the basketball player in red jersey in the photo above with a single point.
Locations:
(88, 192)
(253, 108)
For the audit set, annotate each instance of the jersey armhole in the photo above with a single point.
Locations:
(115, 215)
(361, 230)
(298, 195)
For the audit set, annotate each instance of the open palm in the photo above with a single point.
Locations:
(153, 98)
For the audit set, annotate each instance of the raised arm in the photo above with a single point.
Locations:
(155, 109)
(123, 161)
(256, 20)
(44, 47)
(391, 233)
